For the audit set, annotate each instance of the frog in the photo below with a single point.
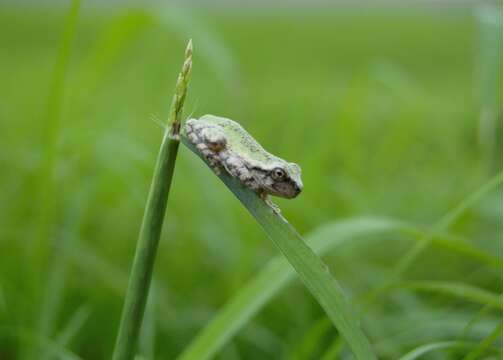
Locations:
(228, 147)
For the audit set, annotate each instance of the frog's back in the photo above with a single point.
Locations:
(239, 138)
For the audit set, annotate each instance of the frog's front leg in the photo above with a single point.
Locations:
(267, 199)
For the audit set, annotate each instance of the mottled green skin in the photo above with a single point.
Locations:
(227, 146)
(242, 142)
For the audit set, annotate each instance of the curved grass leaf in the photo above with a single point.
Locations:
(467, 292)
(429, 237)
(484, 345)
(476, 318)
(444, 223)
(418, 352)
(310, 268)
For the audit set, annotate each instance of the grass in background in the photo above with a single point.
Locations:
(489, 57)
(396, 135)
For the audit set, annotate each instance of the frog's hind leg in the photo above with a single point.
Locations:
(214, 138)
(210, 157)
(205, 142)
(213, 143)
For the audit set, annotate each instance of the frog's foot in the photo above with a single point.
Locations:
(267, 199)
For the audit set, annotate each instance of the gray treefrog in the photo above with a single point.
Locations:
(227, 146)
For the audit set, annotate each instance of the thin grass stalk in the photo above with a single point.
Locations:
(41, 251)
(52, 130)
(155, 209)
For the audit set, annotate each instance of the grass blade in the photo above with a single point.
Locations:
(463, 291)
(52, 132)
(310, 268)
(428, 238)
(418, 352)
(485, 344)
(73, 326)
(45, 238)
(476, 318)
(444, 223)
(150, 232)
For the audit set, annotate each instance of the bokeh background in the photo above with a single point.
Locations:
(391, 109)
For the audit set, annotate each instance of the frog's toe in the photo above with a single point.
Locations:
(275, 208)
(267, 199)
(192, 137)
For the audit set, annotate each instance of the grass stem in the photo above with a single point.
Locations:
(143, 263)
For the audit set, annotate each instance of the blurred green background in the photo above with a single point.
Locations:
(391, 112)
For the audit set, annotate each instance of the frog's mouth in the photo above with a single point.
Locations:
(287, 190)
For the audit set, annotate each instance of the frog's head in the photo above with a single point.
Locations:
(284, 180)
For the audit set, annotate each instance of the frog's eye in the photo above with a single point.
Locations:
(278, 174)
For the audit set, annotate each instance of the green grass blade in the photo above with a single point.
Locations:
(428, 238)
(334, 349)
(458, 290)
(146, 342)
(2, 300)
(444, 223)
(45, 237)
(476, 318)
(74, 325)
(485, 344)
(310, 268)
(418, 352)
(310, 344)
(52, 131)
(150, 232)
